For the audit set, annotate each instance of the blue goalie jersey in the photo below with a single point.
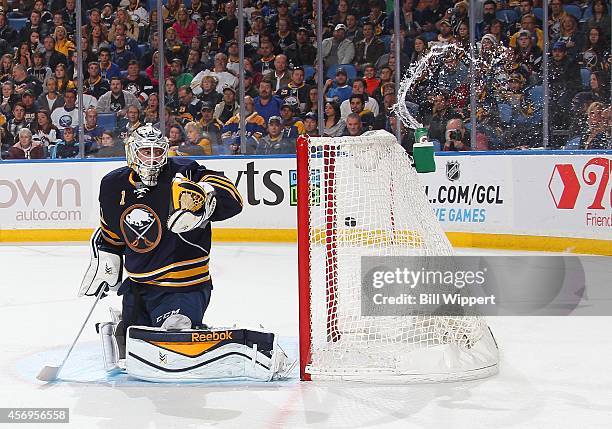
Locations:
(133, 220)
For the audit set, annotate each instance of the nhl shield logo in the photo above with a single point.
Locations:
(452, 171)
(141, 228)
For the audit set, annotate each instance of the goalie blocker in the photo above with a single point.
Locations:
(155, 354)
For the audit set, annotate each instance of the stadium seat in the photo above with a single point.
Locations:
(505, 112)
(142, 48)
(123, 73)
(585, 75)
(587, 14)
(537, 96)
(572, 144)
(107, 121)
(17, 23)
(539, 13)
(430, 35)
(507, 16)
(573, 10)
(386, 39)
(351, 71)
(309, 72)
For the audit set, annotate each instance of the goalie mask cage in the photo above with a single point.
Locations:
(360, 196)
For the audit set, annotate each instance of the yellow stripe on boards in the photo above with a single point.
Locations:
(458, 239)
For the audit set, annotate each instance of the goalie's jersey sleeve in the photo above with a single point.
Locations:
(133, 220)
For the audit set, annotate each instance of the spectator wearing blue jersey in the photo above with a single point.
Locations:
(339, 90)
(108, 69)
(121, 56)
(267, 105)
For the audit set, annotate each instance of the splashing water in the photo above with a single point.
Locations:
(494, 63)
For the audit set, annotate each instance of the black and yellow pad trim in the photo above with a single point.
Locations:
(197, 342)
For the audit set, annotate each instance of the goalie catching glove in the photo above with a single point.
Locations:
(105, 268)
(192, 204)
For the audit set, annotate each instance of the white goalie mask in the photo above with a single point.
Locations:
(147, 153)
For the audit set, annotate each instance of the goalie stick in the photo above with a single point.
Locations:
(50, 373)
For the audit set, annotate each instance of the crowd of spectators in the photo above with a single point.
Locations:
(201, 72)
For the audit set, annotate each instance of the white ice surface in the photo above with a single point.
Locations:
(555, 373)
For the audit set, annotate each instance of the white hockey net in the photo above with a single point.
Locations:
(366, 200)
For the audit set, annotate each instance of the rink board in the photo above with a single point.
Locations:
(554, 200)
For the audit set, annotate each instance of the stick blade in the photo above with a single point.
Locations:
(48, 373)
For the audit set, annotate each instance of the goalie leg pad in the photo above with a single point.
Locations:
(158, 355)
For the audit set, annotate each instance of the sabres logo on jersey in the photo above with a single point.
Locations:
(141, 228)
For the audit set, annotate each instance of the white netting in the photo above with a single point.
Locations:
(366, 200)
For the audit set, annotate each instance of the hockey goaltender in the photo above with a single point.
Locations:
(152, 248)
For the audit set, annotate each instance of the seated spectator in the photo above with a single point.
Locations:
(189, 107)
(301, 52)
(186, 29)
(67, 115)
(6, 32)
(130, 123)
(175, 137)
(339, 90)
(489, 8)
(457, 137)
(137, 83)
(556, 14)
(195, 137)
(312, 102)
(9, 98)
(173, 46)
(296, 89)
(280, 76)
(359, 88)
(39, 70)
(600, 18)
(43, 130)
(23, 55)
(128, 27)
(267, 104)
(564, 82)
(334, 124)
(52, 57)
(376, 16)
(110, 147)
(598, 134)
(172, 100)
(62, 44)
(227, 24)
(209, 92)
(35, 43)
(598, 91)
(420, 48)
(138, 14)
(152, 71)
(108, 70)
(596, 51)
(353, 125)
(337, 49)
(121, 56)
(25, 147)
(194, 62)
(292, 125)
(372, 82)
(453, 73)
(228, 107)
(219, 71)
(212, 127)
(50, 99)
(311, 125)
(570, 36)
(265, 64)
(353, 32)
(16, 123)
(358, 107)
(94, 85)
(369, 49)
(436, 114)
(22, 81)
(176, 71)
(388, 59)
(389, 100)
(6, 67)
(528, 57)
(97, 39)
(275, 142)
(63, 80)
(92, 131)
(117, 100)
(528, 22)
(386, 84)
(151, 110)
(249, 87)
(446, 32)
(29, 101)
(68, 146)
(283, 37)
(255, 128)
